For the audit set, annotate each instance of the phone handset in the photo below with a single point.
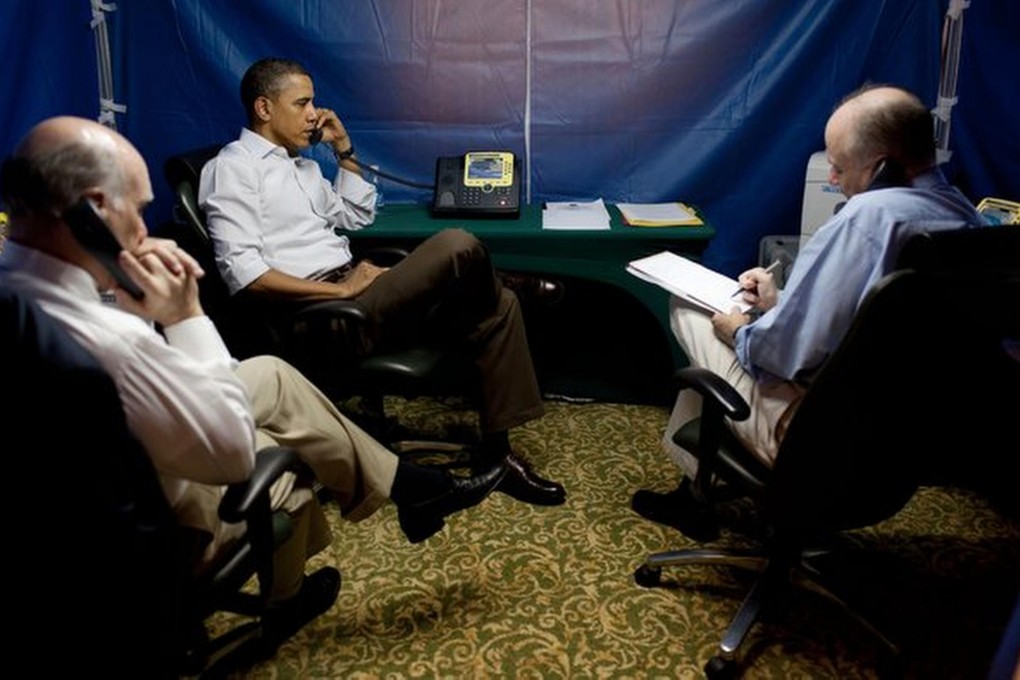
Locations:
(95, 236)
(315, 136)
(888, 173)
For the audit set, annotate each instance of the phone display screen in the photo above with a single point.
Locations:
(999, 211)
(491, 168)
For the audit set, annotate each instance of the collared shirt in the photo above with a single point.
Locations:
(179, 393)
(836, 268)
(268, 210)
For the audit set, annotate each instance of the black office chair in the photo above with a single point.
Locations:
(924, 375)
(96, 547)
(321, 339)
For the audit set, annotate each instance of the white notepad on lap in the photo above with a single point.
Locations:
(695, 283)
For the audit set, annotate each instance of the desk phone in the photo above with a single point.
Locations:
(478, 184)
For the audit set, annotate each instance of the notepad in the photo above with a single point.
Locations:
(576, 215)
(693, 282)
(673, 214)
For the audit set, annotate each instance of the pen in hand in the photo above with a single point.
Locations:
(768, 270)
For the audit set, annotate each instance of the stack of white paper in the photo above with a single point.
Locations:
(699, 285)
(573, 215)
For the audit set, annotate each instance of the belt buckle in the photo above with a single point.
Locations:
(336, 274)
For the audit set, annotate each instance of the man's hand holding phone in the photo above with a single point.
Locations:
(157, 280)
(330, 130)
(333, 131)
(169, 278)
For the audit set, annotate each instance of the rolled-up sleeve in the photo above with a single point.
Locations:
(230, 194)
(354, 206)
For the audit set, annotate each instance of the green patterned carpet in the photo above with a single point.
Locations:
(508, 590)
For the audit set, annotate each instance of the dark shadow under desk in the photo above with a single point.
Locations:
(608, 338)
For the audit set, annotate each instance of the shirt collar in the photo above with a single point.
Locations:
(261, 147)
(929, 179)
(57, 272)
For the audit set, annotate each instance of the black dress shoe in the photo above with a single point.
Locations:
(422, 519)
(522, 483)
(318, 593)
(678, 509)
(530, 288)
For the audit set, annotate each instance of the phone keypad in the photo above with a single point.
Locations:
(485, 195)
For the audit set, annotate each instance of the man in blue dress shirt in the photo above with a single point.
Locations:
(881, 150)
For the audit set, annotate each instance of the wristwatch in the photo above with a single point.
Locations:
(343, 155)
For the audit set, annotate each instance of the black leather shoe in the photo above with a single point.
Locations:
(423, 519)
(677, 509)
(522, 483)
(318, 593)
(530, 288)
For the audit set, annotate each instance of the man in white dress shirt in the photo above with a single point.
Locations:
(199, 414)
(274, 220)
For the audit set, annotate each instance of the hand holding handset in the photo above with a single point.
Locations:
(315, 137)
(95, 236)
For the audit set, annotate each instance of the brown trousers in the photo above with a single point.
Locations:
(446, 289)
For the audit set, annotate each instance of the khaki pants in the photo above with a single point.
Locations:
(359, 471)
(772, 403)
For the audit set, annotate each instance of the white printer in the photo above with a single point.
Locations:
(821, 199)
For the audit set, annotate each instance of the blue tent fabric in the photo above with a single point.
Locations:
(717, 104)
(985, 133)
(49, 65)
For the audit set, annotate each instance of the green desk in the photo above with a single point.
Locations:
(600, 293)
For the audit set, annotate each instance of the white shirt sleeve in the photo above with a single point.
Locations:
(229, 193)
(355, 206)
(185, 404)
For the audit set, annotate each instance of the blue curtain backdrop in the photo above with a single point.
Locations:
(715, 103)
(49, 65)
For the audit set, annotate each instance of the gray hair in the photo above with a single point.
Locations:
(48, 183)
(900, 127)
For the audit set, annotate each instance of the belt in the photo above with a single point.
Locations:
(337, 274)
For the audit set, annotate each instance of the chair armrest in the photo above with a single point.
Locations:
(249, 501)
(383, 256)
(719, 454)
(324, 329)
(241, 498)
(713, 388)
(348, 310)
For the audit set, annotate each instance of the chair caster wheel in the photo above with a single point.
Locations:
(719, 668)
(648, 577)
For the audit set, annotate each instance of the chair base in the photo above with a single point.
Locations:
(775, 576)
(231, 651)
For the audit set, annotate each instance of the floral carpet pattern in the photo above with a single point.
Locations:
(509, 590)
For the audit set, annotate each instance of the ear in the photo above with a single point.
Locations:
(99, 199)
(97, 196)
(263, 109)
